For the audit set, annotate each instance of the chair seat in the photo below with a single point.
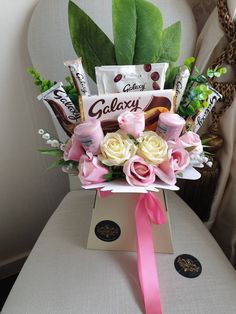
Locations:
(62, 276)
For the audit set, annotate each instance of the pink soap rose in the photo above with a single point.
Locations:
(192, 141)
(165, 171)
(180, 158)
(90, 170)
(73, 149)
(132, 123)
(138, 172)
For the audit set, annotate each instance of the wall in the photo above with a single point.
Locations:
(28, 193)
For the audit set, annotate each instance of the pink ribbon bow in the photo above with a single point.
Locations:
(148, 210)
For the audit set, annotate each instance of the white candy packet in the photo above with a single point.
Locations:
(130, 78)
(180, 85)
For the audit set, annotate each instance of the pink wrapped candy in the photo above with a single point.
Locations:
(170, 126)
(90, 135)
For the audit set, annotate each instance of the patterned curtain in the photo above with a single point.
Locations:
(201, 10)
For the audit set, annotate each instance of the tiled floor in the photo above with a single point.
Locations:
(5, 287)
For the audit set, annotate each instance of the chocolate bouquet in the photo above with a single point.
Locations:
(137, 134)
(132, 135)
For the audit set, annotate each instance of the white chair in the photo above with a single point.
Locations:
(60, 275)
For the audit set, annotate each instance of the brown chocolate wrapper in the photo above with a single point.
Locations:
(107, 107)
(203, 114)
(59, 104)
(79, 76)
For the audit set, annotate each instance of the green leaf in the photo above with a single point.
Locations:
(205, 141)
(171, 42)
(57, 163)
(89, 41)
(223, 70)
(148, 34)
(205, 104)
(189, 61)
(170, 76)
(61, 162)
(124, 30)
(190, 148)
(108, 176)
(42, 84)
(51, 152)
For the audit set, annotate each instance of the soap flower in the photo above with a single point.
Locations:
(73, 149)
(165, 172)
(132, 123)
(180, 158)
(152, 148)
(138, 172)
(191, 142)
(116, 149)
(91, 171)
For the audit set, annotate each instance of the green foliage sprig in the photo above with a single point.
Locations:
(115, 172)
(197, 90)
(45, 85)
(40, 82)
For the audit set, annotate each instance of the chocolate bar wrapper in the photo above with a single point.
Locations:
(58, 103)
(180, 85)
(107, 107)
(130, 78)
(202, 115)
(79, 76)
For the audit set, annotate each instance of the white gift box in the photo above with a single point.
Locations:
(113, 224)
(113, 220)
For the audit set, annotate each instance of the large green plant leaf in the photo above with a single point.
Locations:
(89, 41)
(171, 38)
(149, 32)
(171, 73)
(124, 30)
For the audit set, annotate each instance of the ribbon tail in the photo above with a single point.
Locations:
(145, 252)
(154, 208)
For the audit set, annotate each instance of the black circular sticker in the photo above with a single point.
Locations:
(188, 266)
(107, 230)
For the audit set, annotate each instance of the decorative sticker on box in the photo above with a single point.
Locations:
(107, 230)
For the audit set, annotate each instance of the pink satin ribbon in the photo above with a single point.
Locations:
(148, 210)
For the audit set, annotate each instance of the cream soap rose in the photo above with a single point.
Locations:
(115, 149)
(152, 148)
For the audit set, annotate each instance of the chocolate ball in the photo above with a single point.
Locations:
(117, 78)
(155, 76)
(147, 67)
(155, 86)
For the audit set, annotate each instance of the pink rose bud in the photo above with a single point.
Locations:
(132, 123)
(192, 141)
(91, 170)
(90, 135)
(180, 158)
(73, 149)
(138, 172)
(165, 171)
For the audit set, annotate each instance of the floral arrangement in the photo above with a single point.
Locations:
(138, 155)
(135, 152)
